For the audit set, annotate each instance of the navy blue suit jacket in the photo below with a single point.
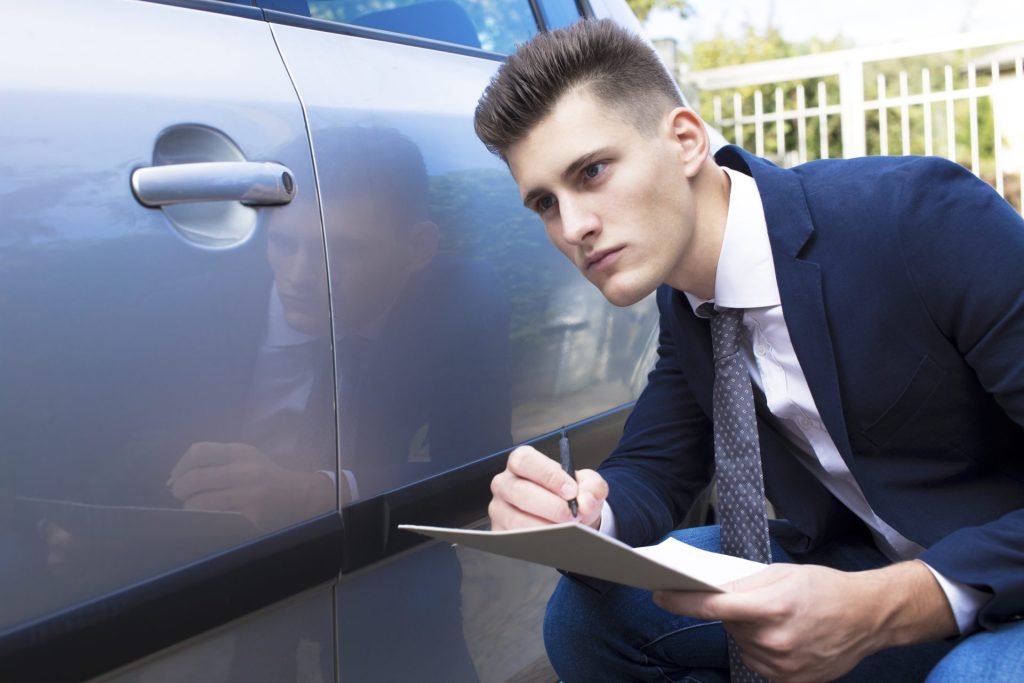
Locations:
(902, 285)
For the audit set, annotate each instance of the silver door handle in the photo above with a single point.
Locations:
(255, 183)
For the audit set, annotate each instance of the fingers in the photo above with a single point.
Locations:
(534, 490)
(737, 605)
(591, 494)
(229, 500)
(208, 454)
(530, 464)
(203, 479)
(728, 607)
(519, 503)
(59, 543)
(504, 516)
(699, 605)
(741, 618)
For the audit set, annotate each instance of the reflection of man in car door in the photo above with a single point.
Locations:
(422, 386)
(421, 350)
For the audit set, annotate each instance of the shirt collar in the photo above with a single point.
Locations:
(279, 332)
(745, 277)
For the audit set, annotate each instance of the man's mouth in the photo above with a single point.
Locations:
(297, 301)
(603, 259)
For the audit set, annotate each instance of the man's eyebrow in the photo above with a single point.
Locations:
(532, 195)
(570, 170)
(583, 161)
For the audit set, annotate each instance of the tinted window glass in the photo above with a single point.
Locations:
(495, 25)
(559, 13)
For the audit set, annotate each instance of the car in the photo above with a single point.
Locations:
(263, 297)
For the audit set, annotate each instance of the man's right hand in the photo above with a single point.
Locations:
(534, 490)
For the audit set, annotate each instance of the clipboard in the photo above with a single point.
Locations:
(573, 547)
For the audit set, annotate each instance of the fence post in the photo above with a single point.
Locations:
(851, 108)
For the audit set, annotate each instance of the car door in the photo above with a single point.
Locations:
(361, 307)
(155, 169)
(460, 331)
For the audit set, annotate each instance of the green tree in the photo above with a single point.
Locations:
(642, 8)
(758, 45)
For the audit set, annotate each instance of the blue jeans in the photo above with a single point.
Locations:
(620, 635)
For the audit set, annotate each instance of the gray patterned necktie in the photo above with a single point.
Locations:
(744, 522)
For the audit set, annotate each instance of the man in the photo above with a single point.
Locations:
(881, 321)
(416, 360)
(413, 358)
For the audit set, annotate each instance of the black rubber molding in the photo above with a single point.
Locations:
(108, 632)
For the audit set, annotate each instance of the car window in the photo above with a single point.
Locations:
(493, 25)
(559, 13)
(459, 330)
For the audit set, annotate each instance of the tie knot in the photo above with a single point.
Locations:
(725, 329)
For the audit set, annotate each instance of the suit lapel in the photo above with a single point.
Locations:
(694, 350)
(800, 287)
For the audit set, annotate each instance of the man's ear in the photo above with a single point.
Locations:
(423, 241)
(690, 137)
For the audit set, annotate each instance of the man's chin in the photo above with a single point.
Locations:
(623, 296)
(314, 326)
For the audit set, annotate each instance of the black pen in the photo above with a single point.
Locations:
(566, 455)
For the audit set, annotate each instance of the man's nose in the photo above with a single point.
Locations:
(579, 222)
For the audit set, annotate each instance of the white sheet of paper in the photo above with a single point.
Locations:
(709, 567)
(669, 565)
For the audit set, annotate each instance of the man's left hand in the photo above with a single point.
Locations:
(237, 477)
(804, 623)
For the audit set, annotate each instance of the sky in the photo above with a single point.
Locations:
(862, 22)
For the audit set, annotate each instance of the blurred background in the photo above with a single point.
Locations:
(795, 80)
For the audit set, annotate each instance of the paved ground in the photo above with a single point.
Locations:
(503, 605)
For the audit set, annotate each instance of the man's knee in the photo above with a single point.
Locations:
(565, 614)
(618, 633)
(581, 632)
(993, 656)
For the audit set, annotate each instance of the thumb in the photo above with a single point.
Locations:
(592, 490)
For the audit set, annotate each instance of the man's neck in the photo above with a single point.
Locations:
(696, 272)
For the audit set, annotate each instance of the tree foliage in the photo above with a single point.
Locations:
(758, 45)
(642, 8)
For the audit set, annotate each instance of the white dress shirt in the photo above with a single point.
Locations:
(283, 376)
(284, 381)
(746, 279)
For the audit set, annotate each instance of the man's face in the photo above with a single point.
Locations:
(372, 257)
(615, 200)
(371, 260)
(296, 255)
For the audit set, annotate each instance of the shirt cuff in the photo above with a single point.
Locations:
(608, 521)
(353, 486)
(350, 480)
(965, 601)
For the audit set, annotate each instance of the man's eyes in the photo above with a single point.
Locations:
(594, 170)
(590, 172)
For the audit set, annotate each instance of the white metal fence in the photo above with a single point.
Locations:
(960, 97)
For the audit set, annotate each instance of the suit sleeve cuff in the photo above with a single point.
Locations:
(964, 600)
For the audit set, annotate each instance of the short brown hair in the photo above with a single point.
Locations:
(618, 67)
